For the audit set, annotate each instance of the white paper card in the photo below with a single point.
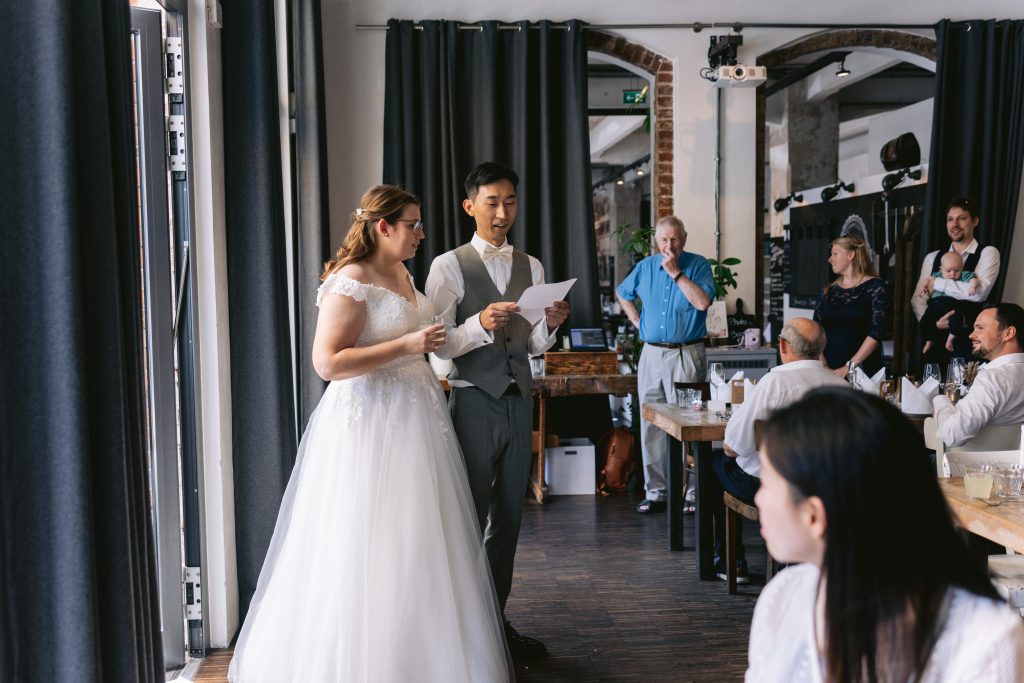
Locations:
(538, 297)
(717, 321)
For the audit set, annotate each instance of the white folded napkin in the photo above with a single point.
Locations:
(870, 384)
(748, 388)
(723, 392)
(918, 400)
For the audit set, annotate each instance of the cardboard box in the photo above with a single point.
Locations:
(570, 468)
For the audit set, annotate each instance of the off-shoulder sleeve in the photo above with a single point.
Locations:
(339, 284)
(878, 294)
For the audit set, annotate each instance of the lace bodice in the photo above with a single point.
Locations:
(388, 315)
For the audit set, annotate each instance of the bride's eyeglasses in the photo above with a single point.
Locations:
(417, 225)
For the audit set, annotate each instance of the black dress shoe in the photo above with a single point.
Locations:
(522, 647)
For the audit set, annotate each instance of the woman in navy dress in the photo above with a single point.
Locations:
(852, 309)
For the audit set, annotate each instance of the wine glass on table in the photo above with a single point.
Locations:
(716, 376)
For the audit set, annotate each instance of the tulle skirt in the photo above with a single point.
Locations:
(376, 570)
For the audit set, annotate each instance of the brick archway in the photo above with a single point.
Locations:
(660, 70)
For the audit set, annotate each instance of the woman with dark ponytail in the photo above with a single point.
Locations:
(888, 590)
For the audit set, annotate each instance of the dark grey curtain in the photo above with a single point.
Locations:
(456, 98)
(312, 221)
(77, 568)
(977, 131)
(262, 399)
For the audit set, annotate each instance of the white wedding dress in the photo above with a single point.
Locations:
(376, 570)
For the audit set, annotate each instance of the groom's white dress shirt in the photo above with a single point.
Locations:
(445, 289)
(996, 397)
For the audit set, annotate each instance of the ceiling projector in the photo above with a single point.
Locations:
(740, 76)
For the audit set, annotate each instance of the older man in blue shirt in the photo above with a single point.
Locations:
(676, 289)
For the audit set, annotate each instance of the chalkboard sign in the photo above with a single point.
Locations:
(739, 322)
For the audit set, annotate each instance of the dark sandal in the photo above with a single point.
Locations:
(647, 507)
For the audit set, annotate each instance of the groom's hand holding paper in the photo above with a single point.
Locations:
(556, 315)
(496, 315)
(541, 301)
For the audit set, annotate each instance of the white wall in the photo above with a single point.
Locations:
(915, 118)
(354, 65)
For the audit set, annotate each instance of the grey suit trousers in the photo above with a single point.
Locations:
(496, 439)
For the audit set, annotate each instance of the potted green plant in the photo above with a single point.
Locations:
(725, 277)
(636, 244)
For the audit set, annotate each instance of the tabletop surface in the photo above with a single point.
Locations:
(1003, 524)
(684, 424)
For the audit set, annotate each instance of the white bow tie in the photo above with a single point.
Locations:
(503, 253)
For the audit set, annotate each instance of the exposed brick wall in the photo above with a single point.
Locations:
(660, 70)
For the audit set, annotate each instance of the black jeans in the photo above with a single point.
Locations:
(729, 477)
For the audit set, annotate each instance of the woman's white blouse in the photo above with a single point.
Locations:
(983, 640)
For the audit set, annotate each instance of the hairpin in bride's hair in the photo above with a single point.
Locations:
(359, 211)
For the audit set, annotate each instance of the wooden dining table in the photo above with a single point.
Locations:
(557, 386)
(698, 428)
(1002, 524)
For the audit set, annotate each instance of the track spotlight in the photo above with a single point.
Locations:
(620, 181)
(842, 71)
(782, 202)
(893, 180)
(830, 192)
(640, 172)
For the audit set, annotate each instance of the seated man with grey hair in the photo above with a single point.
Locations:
(738, 469)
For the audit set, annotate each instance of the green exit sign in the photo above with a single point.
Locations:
(634, 96)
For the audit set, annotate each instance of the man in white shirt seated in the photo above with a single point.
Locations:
(997, 395)
(738, 470)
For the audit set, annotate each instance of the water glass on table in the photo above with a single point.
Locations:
(1008, 480)
(932, 370)
(689, 399)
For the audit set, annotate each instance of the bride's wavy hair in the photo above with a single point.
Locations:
(379, 202)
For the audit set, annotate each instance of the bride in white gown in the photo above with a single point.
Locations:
(376, 570)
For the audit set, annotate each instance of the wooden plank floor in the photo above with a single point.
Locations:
(595, 583)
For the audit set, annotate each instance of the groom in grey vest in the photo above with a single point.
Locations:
(474, 289)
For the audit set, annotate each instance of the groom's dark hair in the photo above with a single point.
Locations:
(487, 173)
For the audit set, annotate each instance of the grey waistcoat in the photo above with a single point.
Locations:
(494, 366)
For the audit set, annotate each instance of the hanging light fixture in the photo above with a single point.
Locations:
(842, 71)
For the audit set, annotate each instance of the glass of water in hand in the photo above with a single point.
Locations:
(430, 322)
